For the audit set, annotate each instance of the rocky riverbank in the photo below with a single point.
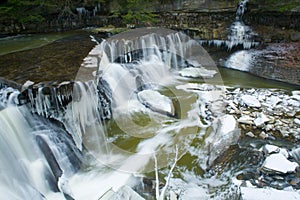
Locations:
(269, 121)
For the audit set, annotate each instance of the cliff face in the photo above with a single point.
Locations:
(197, 5)
(204, 19)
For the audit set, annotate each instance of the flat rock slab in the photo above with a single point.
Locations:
(279, 163)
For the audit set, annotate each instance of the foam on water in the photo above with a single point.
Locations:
(240, 60)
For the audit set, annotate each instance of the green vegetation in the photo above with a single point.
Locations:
(33, 11)
(19, 13)
(134, 11)
(277, 5)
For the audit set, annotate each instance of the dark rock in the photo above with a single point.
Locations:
(295, 37)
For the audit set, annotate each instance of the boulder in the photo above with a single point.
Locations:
(250, 101)
(225, 133)
(278, 163)
(156, 102)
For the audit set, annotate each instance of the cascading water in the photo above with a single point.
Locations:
(35, 155)
(239, 33)
(85, 142)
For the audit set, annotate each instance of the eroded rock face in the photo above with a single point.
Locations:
(278, 62)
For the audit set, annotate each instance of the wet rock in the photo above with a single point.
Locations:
(294, 103)
(297, 121)
(245, 119)
(197, 72)
(225, 133)
(269, 127)
(269, 149)
(124, 192)
(263, 135)
(250, 134)
(296, 154)
(250, 101)
(274, 100)
(295, 182)
(296, 97)
(296, 92)
(261, 120)
(278, 163)
(156, 102)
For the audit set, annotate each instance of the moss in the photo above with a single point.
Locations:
(276, 5)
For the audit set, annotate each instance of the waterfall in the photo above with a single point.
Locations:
(62, 137)
(35, 153)
(240, 34)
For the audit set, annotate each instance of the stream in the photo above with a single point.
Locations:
(145, 114)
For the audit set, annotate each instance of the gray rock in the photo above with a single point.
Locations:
(250, 134)
(278, 163)
(263, 135)
(269, 149)
(124, 193)
(297, 121)
(250, 101)
(225, 133)
(156, 102)
(261, 120)
(296, 154)
(246, 119)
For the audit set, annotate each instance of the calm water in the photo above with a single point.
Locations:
(30, 41)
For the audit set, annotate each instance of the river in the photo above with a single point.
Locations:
(154, 110)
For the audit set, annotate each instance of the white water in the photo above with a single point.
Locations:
(107, 164)
(240, 60)
(23, 166)
(240, 34)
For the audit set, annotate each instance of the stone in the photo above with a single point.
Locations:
(297, 121)
(173, 195)
(269, 127)
(236, 110)
(156, 102)
(263, 135)
(250, 101)
(274, 100)
(250, 134)
(293, 103)
(124, 192)
(296, 154)
(296, 97)
(27, 84)
(197, 72)
(278, 163)
(224, 134)
(296, 92)
(246, 119)
(261, 120)
(269, 149)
